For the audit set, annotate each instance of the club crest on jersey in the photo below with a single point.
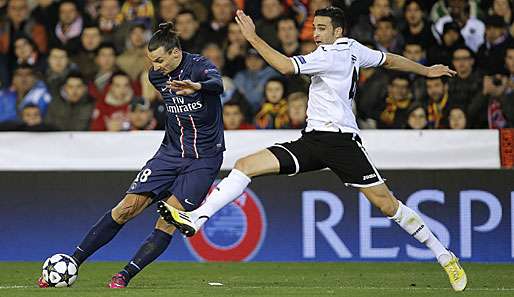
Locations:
(235, 233)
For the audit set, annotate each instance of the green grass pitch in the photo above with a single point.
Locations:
(266, 279)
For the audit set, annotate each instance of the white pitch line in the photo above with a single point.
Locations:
(374, 288)
(14, 287)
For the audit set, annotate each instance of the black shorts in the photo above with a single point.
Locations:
(343, 153)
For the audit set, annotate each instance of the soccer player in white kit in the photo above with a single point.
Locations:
(331, 138)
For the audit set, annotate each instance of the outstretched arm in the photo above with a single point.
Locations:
(397, 62)
(277, 60)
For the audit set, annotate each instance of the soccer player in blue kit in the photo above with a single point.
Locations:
(185, 165)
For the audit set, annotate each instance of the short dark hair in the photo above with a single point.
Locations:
(166, 37)
(120, 73)
(77, 75)
(418, 2)
(188, 11)
(388, 19)
(398, 75)
(105, 45)
(463, 47)
(335, 14)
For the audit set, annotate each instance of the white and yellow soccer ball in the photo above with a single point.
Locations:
(60, 270)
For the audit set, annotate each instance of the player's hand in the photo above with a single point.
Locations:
(246, 25)
(440, 70)
(184, 87)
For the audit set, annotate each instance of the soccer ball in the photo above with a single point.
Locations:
(60, 270)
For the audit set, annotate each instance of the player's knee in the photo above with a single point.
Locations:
(244, 165)
(127, 209)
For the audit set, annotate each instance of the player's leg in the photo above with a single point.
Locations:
(108, 226)
(354, 168)
(286, 158)
(154, 245)
(412, 223)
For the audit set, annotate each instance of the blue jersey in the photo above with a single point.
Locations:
(194, 124)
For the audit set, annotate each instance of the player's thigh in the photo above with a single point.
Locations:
(296, 156)
(194, 182)
(260, 163)
(157, 175)
(381, 197)
(345, 156)
(130, 206)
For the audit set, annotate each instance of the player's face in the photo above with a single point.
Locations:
(324, 32)
(165, 62)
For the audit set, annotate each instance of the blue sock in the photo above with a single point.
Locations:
(153, 247)
(100, 234)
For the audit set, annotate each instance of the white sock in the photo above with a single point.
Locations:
(228, 190)
(416, 227)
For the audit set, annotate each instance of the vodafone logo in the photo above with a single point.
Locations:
(235, 233)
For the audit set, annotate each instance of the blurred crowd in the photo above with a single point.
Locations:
(81, 65)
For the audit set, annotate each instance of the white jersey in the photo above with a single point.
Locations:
(334, 71)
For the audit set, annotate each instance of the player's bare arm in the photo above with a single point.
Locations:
(397, 62)
(274, 58)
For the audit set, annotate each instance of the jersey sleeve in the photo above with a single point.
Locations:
(316, 62)
(369, 57)
(206, 73)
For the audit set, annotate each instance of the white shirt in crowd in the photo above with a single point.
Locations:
(334, 71)
(473, 32)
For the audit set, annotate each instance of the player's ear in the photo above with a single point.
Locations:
(175, 52)
(339, 31)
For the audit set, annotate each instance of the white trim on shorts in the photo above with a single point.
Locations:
(296, 163)
(380, 179)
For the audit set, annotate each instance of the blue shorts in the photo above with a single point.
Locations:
(186, 178)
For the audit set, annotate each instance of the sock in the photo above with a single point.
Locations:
(100, 234)
(229, 189)
(152, 248)
(416, 227)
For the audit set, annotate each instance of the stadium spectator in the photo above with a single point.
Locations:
(235, 50)
(497, 39)
(90, 40)
(307, 27)
(141, 115)
(438, 102)
(451, 39)
(287, 34)
(26, 89)
(233, 116)
(509, 65)
(416, 117)
(364, 29)
(215, 29)
(273, 113)
(197, 6)
(187, 27)
(266, 27)
(441, 9)
(417, 28)
(71, 109)
(392, 111)
(133, 60)
(111, 114)
(168, 11)
(214, 53)
(111, 24)
(67, 31)
(457, 118)
(471, 28)
(26, 52)
(59, 66)
(251, 81)
(31, 121)
(467, 82)
(139, 11)
(46, 13)
(297, 110)
(105, 61)
(503, 8)
(17, 21)
(415, 52)
(494, 107)
(386, 36)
